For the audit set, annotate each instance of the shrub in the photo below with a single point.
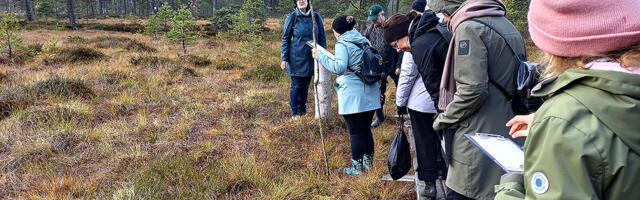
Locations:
(62, 87)
(182, 25)
(265, 73)
(129, 28)
(197, 61)
(76, 39)
(134, 45)
(110, 41)
(48, 51)
(226, 64)
(78, 54)
(149, 61)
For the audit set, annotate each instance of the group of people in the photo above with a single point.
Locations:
(452, 72)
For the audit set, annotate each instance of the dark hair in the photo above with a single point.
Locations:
(398, 19)
(397, 26)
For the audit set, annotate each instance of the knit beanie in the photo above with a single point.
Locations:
(573, 28)
(295, 4)
(396, 27)
(343, 24)
(418, 5)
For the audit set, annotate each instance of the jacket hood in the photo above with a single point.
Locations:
(445, 6)
(353, 36)
(427, 22)
(623, 97)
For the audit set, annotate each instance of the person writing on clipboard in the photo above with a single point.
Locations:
(584, 142)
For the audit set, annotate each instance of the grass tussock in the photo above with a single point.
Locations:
(129, 28)
(265, 73)
(78, 55)
(20, 97)
(226, 64)
(77, 39)
(197, 61)
(149, 61)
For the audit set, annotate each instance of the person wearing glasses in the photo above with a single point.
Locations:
(296, 55)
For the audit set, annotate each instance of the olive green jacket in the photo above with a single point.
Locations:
(584, 142)
(478, 106)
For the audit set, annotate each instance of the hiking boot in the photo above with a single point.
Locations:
(379, 118)
(367, 162)
(426, 189)
(356, 169)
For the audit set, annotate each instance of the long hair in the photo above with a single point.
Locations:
(628, 57)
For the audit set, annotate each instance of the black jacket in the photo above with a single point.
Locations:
(429, 42)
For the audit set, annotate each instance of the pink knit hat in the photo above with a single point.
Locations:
(574, 28)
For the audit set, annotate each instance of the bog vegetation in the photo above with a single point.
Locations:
(153, 99)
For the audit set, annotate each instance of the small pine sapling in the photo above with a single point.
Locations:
(48, 51)
(8, 38)
(182, 25)
(153, 27)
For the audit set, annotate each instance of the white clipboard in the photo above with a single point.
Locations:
(503, 151)
(322, 49)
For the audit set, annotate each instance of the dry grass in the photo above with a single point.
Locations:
(158, 125)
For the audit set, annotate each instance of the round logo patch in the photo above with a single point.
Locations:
(539, 183)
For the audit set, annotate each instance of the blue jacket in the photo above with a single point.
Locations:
(294, 49)
(354, 96)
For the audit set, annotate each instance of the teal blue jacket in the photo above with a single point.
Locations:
(354, 96)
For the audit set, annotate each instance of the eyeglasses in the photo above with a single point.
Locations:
(394, 44)
(301, 0)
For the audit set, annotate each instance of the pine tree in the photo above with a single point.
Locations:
(164, 16)
(153, 27)
(8, 38)
(182, 25)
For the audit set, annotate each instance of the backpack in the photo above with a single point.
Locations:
(371, 69)
(526, 78)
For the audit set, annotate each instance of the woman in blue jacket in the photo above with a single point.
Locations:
(296, 55)
(357, 101)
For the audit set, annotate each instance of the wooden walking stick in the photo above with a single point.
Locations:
(315, 89)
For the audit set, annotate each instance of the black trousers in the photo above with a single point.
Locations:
(359, 126)
(428, 147)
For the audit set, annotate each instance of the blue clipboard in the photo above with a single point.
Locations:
(503, 151)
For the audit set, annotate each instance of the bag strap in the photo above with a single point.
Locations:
(502, 36)
(361, 46)
(502, 89)
(444, 32)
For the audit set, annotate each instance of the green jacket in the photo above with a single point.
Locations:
(584, 142)
(478, 106)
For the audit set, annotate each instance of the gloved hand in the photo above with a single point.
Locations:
(402, 110)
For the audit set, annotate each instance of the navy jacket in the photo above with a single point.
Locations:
(294, 49)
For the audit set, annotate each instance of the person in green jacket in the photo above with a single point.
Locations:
(477, 56)
(584, 142)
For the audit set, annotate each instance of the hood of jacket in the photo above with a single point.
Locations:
(427, 22)
(353, 36)
(624, 98)
(445, 6)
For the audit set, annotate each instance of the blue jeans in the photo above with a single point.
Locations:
(298, 95)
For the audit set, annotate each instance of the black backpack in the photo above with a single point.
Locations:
(526, 78)
(371, 69)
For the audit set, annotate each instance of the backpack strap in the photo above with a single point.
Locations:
(361, 46)
(444, 32)
(502, 89)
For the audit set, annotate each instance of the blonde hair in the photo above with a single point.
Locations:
(628, 57)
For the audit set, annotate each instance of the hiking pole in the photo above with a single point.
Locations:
(316, 79)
